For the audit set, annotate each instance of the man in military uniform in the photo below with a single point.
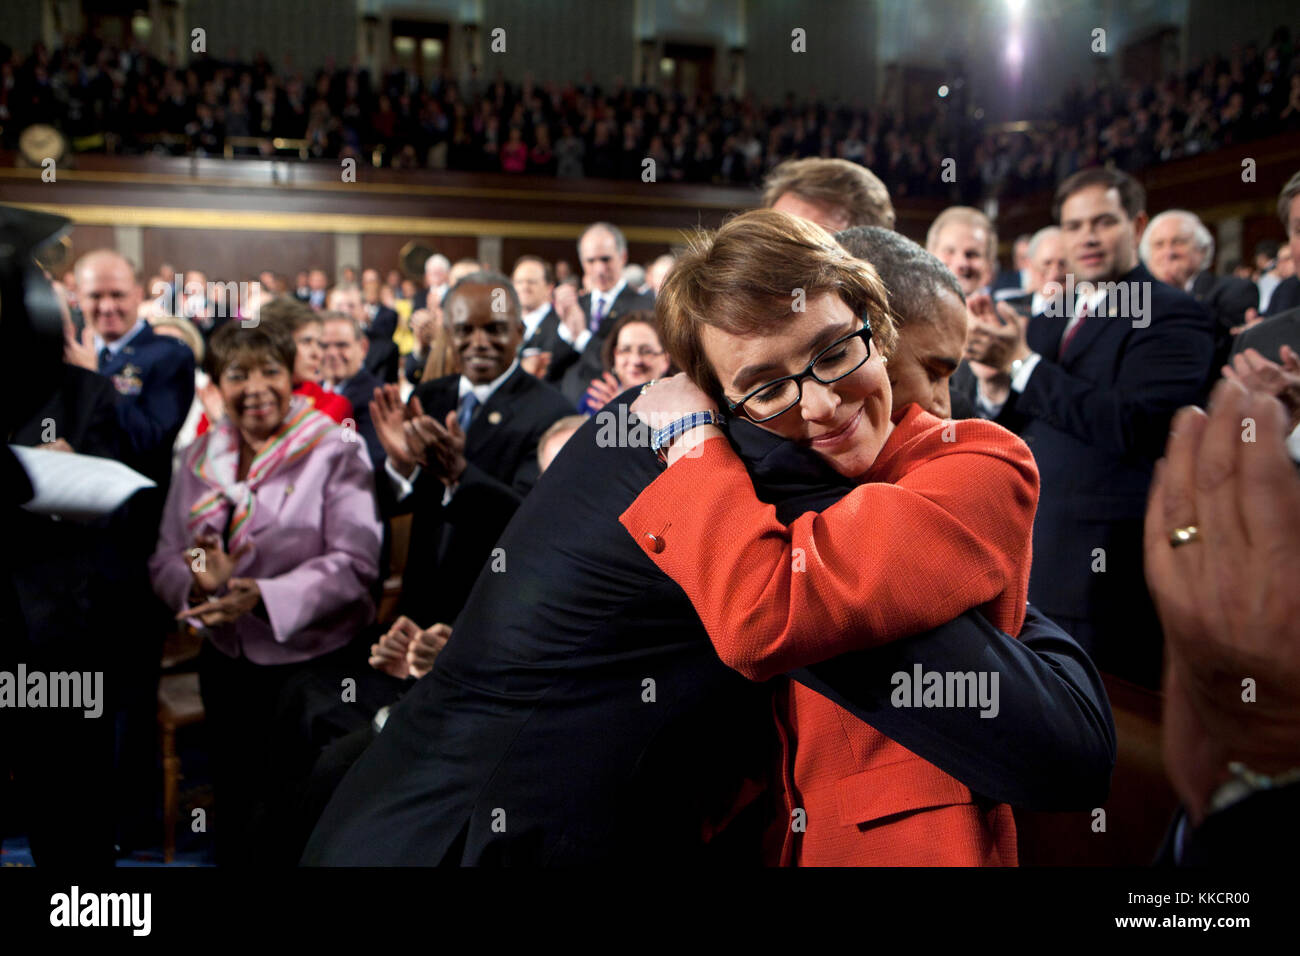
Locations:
(152, 374)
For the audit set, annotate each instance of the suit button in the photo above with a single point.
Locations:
(655, 543)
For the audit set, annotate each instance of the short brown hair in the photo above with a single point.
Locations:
(741, 279)
(835, 182)
(292, 312)
(265, 340)
(1132, 197)
(1289, 192)
(967, 216)
(548, 274)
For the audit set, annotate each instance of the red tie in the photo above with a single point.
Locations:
(1074, 330)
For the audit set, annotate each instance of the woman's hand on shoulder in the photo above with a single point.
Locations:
(667, 399)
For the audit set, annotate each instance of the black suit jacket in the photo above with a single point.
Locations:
(546, 337)
(83, 412)
(1285, 297)
(383, 325)
(383, 360)
(451, 543)
(1097, 422)
(579, 714)
(574, 371)
(360, 391)
(1007, 279)
(1226, 298)
(1268, 337)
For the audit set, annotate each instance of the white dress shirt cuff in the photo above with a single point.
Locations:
(402, 486)
(1293, 445)
(577, 344)
(1021, 378)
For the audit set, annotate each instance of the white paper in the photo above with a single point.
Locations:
(80, 487)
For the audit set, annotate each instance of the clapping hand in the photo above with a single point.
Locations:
(569, 309)
(406, 650)
(389, 414)
(603, 390)
(79, 350)
(537, 364)
(995, 334)
(243, 596)
(1226, 598)
(438, 447)
(211, 566)
(1259, 374)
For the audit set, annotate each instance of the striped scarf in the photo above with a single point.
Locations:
(215, 460)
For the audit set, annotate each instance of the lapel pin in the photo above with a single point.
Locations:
(494, 418)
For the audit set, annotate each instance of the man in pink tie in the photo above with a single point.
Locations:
(1091, 384)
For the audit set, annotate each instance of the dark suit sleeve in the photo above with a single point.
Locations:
(102, 434)
(1230, 299)
(385, 325)
(562, 358)
(1285, 296)
(153, 420)
(1051, 745)
(1164, 367)
(483, 503)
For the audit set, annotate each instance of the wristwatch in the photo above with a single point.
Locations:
(663, 437)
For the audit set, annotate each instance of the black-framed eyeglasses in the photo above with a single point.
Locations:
(842, 357)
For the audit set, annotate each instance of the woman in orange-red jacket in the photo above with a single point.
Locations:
(940, 523)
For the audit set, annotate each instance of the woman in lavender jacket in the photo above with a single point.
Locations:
(270, 543)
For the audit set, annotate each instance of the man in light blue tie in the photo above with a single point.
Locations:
(602, 249)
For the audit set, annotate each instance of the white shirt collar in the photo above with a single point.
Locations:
(610, 296)
(484, 392)
(534, 318)
(119, 344)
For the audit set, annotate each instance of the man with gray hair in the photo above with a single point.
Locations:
(602, 250)
(1179, 251)
(436, 270)
(1047, 266)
